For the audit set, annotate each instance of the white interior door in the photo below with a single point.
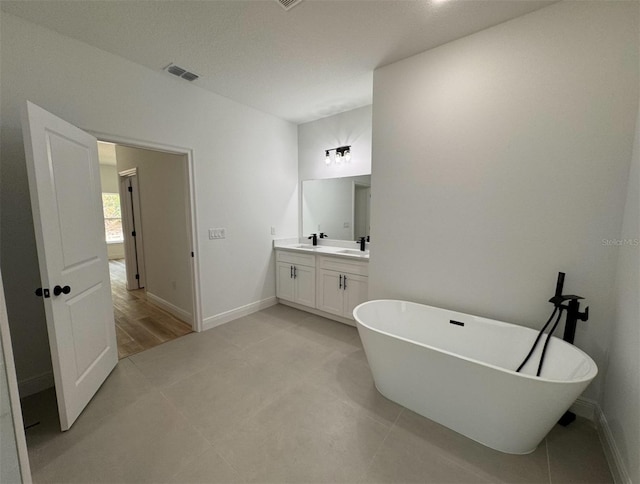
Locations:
(64, 182)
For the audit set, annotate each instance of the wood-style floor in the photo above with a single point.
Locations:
(140, 325)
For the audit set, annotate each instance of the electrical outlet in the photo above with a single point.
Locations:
(212, 234)
(273, 231)
(346, 225)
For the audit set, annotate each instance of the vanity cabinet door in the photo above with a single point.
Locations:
(284, 281)
(305, 285)
(330, 293)
(355, 293)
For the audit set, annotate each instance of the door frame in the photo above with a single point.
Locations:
(12, 388)
(131, 213)
(192, 220)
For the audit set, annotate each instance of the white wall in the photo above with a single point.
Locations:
(163, 181)
(348, 128)
(245, 168)
(500, 159)
(109, 179)
(622, 385)
(109, 184)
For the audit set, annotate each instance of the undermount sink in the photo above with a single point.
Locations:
(306, 246)
(353, 252)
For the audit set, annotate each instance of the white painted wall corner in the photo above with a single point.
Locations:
(611, 451)
(590, 409)
(170, 308)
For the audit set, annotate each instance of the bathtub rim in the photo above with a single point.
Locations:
(591, 374)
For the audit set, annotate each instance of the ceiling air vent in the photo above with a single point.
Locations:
(288, 4)
(189, 76)
(180, 72)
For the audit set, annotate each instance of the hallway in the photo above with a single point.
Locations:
(140, 325)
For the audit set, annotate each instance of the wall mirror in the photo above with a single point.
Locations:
(339, 207)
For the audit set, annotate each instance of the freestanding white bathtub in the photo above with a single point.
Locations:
(459, 370)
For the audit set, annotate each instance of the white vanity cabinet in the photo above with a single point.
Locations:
(296, 277)
(341, 285)
(327, 281)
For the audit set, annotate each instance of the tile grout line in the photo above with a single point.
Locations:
(346, 401)
(209, 443)
(546, 446)
(375, 454)
(208, 447)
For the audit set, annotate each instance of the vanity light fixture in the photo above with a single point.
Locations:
(342, 153)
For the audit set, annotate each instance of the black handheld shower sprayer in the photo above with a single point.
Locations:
(572, 308)
(573, 315)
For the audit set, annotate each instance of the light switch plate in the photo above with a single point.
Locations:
(218, 233)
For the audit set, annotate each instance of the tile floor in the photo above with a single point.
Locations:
(278, 396)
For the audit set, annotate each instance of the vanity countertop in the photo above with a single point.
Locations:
(326, 250)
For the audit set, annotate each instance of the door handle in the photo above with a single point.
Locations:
(340, 283)
(291, 274)
(344, 284)
(57, 290)
(42, 292)
(295, 272)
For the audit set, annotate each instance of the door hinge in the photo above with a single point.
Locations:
(133, 234)
(137, 276)
(130, 189)
(191, 254)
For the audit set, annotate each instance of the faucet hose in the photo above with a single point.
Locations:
(544, 348)
(524, 362)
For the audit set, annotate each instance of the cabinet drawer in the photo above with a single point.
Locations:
(295, 258)
(343, 265)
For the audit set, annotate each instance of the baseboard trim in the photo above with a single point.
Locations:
(611, 451)
(585, 408)
(36, 384)
(170, 308)
(590, 409)
(222, 318)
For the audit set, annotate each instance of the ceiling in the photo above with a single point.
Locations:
(314, 60)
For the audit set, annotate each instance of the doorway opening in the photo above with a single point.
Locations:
(148, 230)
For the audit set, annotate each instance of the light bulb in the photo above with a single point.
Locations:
(338, 158)
(347, 156)
(327, 158)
